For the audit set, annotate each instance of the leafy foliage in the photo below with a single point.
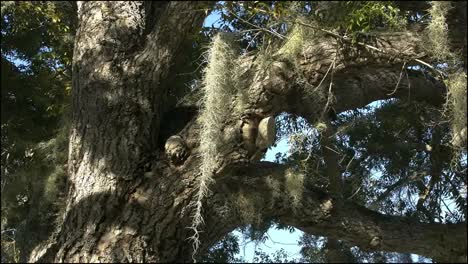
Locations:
(366, 16)
(37, 40)
(224, 251)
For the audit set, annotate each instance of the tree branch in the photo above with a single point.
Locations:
(318, 213)
(367, 46)
(245, 193)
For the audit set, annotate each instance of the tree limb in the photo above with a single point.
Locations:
(319, 214)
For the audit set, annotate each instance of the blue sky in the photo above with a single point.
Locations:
(212, 20)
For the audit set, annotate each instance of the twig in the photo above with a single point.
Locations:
(13, 230)
(446, 206)
(330, 94)
(349, 163)
(326, 74)
(399, 79)
(332, 149)
(354, 194)
(252, 40)
(280, 243)
(260, 28)
(409, 85)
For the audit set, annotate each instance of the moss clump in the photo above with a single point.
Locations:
(248, 208)
(275, 188)
(55, 152)
(294, 44)
(294, 185)
(297, 39)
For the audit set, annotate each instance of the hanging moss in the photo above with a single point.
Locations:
(219, 87)
(456, 106)
(437, 30)
(34, 196)
(241, 78)
(294, 186)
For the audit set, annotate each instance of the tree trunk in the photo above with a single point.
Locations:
(129, 202)
(115, 212)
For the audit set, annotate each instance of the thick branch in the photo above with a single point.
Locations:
(360, 77)
(317, 213)
(246, 194)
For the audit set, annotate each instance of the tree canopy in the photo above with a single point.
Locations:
(403, 155)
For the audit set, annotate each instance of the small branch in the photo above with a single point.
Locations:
(260, 28)
(330, 94)
(251, 41)
(331, 158)
(354, 194)
(446, 206)
(349, 163)
(389, 190)
(399, 79)
(332, 64)
(280, 243)
(319, 214)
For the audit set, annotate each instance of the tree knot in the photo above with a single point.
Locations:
(176, 150)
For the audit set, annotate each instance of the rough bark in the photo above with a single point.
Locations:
(129, 202)
(123, 53)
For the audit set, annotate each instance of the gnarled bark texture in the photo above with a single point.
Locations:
(123, 54)
(129, 202)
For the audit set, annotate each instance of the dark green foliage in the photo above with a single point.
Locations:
(360, 16)
(224, 251)
(36, 58)
(37, 45)
(280, 256)
(313, 248)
